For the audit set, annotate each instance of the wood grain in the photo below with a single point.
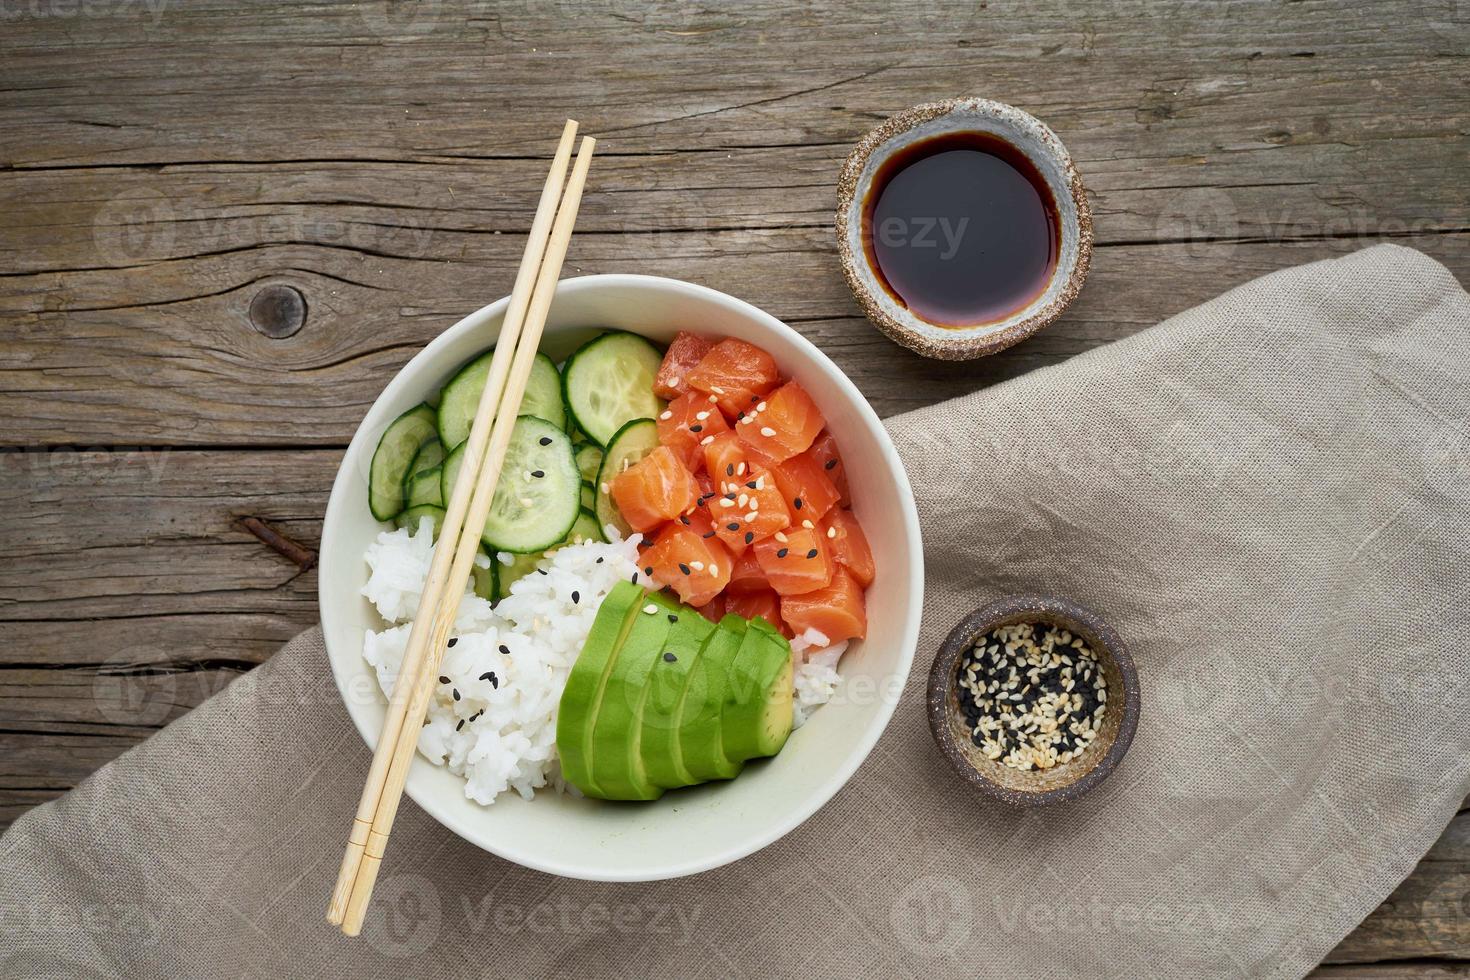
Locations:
(382, 159)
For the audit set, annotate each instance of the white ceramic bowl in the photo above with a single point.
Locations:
(702, 827)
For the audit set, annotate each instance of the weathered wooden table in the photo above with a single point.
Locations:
(167, 167)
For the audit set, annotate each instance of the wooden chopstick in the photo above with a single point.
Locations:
(454, 521)
(486, 480)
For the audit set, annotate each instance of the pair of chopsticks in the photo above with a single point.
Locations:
(459, 537)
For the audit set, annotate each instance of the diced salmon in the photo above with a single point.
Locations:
(697, 519)
(805, 487)
(683, 355)
(747, 576)
(686, 423)
(749, 509)
(697, 568)
(785, 423)
(824, 451)
(714, 610)
(765, 604)
(838, 611)
(736, 373)
(849, 545)
(655, 489)
(795, 561)
(730, 458)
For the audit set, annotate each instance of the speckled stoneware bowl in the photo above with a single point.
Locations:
(1029, 135)
(1070, 779)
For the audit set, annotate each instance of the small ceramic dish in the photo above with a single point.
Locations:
(1068, 780)
(1041, 147)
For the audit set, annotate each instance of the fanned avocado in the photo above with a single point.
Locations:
(668, 684)
(583, 692)
(700, 735)
(757, 713)
(616, 761)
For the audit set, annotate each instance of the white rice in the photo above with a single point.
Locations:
(502, 735)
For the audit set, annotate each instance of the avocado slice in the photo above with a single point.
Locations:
(668, 685)
(617, 761)
(701, 740)
(577, 712)
(757, 712)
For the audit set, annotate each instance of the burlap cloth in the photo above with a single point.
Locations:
(1268, 496)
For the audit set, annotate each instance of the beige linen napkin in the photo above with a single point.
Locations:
(1268, 496)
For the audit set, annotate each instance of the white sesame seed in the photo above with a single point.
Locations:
(767, 431)
(716, 390)
(675, 382)
(706, 440)
(740, 470)
(808, 525)
(527, 502)
(761, 407)
(725, 502)
(831, 532)
(714, 570)
(712, 399)
(604, 487)
(698, 566)
(650, 609)
(752, 515)
(701, 416)
(781, 537)
(666, 415)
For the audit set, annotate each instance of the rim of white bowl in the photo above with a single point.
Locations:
(825, 788)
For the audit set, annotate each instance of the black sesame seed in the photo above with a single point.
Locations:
(684, 519)
(751, 484)
(673, 618)
(730, 469)
(648, 570)
(754, 399)
(576, 597)
(732, 527)
(797, 502)
(545, 440)
(669, 657)
(452, 641)
(707, 534)
(812, 553)
(494, 681)
(683, 568)
(505, 649)
(456, 694)
(696, 428)
(599, 560)
(749, 536)
(781, 553)
(487, 675)
(634, 579)
(460, 725)
(831, 463)
(538, 474)
(443, 679)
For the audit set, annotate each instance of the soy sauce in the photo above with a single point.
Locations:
(961, 229)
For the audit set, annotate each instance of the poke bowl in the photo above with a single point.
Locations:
(552, 820)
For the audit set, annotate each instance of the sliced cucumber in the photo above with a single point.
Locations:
(507, 575)
(631, 443)
(430, 455)
(589, 458)
(400, 443)
(460, 398)
(410, 518)
(530, 513)
(589, 498)
(585, 528)
(487, 583)
(609, 382)
(423, 488)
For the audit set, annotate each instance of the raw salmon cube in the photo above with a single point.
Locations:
(765, 604)
(714, 610)
(795, 561)
(747, 510)
(849, 545)
(696, 568)
(683, 355)
(736, 373)
(747, 576)
(784, 423)
(824, 451)
(838, 611)
(655, 489)
(730, 458)
(686, 423)
(805, 487)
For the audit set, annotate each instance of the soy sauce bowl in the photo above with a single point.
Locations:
(1050, 159)
(1067, 780)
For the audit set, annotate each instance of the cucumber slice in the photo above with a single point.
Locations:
(589, 498)
(507, 575)
(631, 443)
(609, 382)
(487, 583)
(589, 458)
(423, 488)
(460, 398)
(585, 528)
(430, 455)
(529, 513)
(410, 518)
(400, 443)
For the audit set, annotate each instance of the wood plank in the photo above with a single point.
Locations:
(178, 364)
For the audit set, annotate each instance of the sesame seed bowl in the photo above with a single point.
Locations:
(1033, 699)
